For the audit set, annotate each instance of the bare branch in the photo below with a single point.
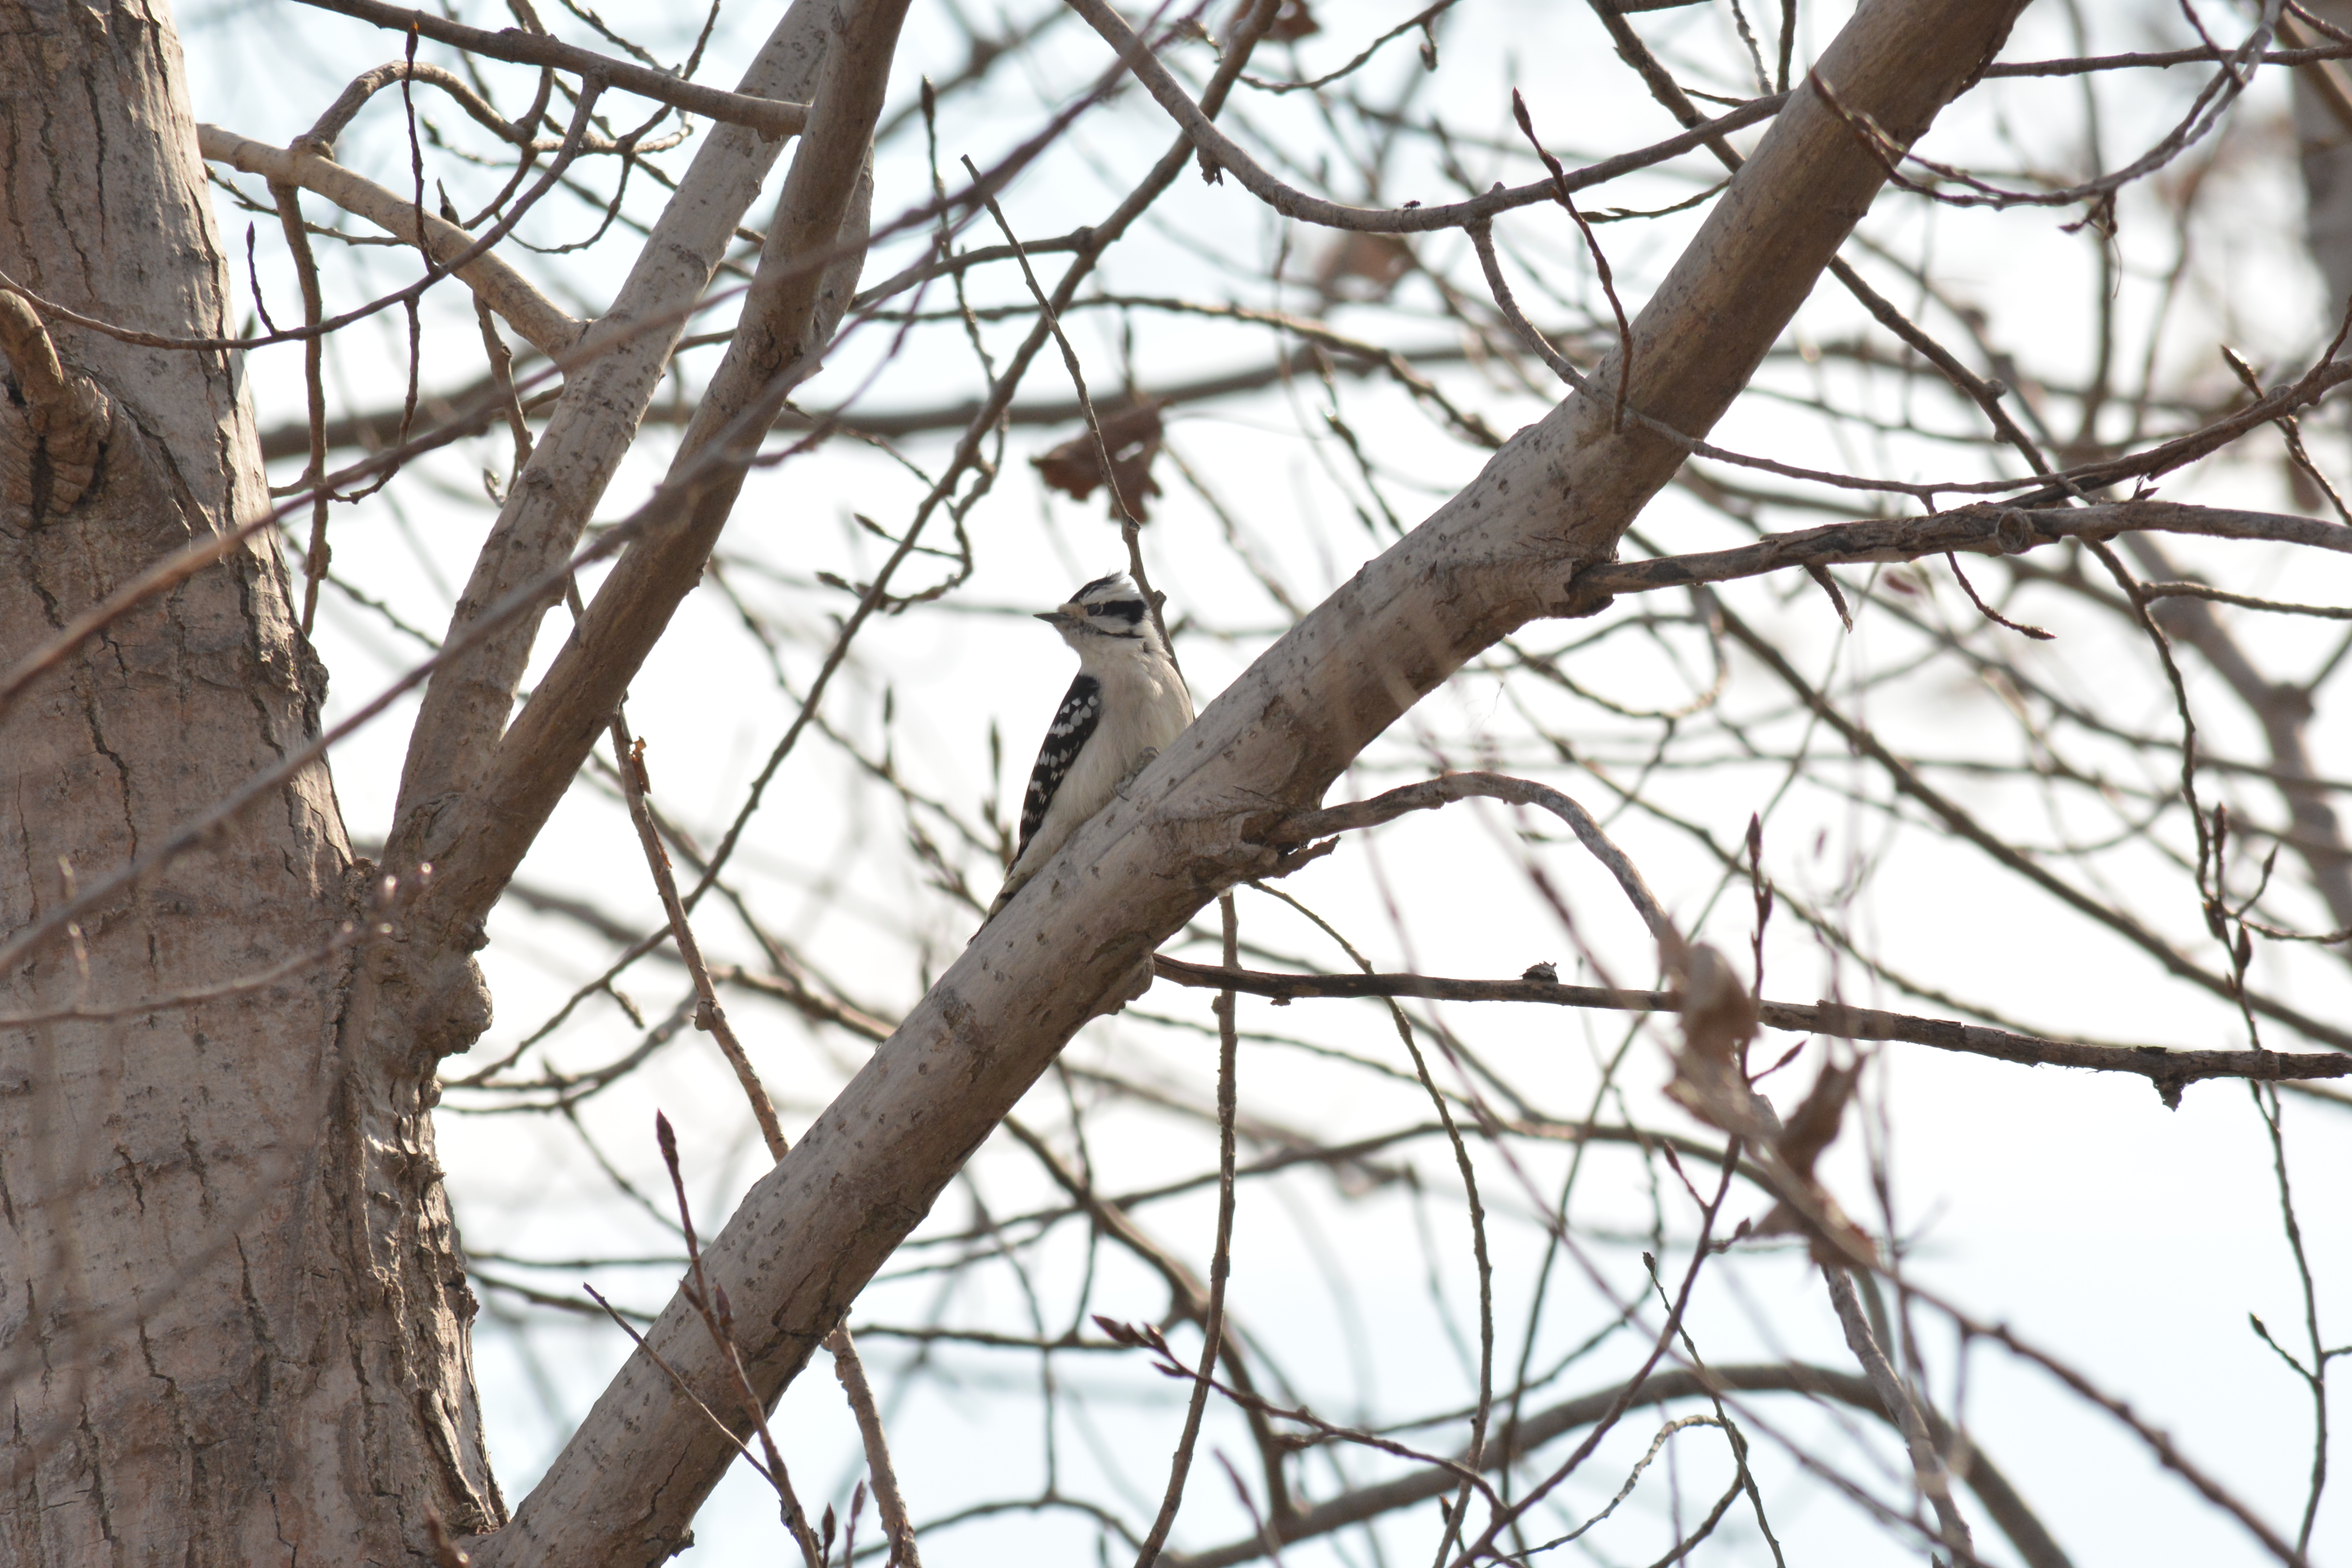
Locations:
(1312, 825)
(1988, 530)
(2164, 1065)
(1226, 153)
(772, 117)
(1992, 1488)
(463, 717)
(1927, 1465)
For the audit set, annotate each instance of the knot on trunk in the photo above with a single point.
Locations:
(53, 423)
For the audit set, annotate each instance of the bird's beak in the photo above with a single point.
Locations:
(1058, 619)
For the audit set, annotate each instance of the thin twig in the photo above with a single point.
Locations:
(897, 1527)
(765, 115)
(1213, 1320)
(1926, 1465)
(1592, 244)
(2167, 1067)
(1305, 826)
(711, 1016)
(709, 1300)
(1131, 526)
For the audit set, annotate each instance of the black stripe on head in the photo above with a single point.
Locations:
(1112, 607)
(1127, 610)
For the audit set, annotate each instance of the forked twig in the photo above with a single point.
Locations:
(709, 1300)
(711, 1016)
(1213, 1320)
(1592, 244)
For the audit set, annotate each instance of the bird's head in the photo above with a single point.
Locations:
(1106, 616)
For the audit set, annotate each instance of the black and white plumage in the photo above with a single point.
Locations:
(1126, 704)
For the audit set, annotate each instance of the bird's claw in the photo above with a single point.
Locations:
(1141, 763)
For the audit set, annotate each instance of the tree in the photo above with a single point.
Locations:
(238, 1311)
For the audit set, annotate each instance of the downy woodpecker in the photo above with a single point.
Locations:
(1126, 705)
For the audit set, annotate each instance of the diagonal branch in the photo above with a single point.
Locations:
(2009, 1510)
(1964, 825)
(1984, 530)
(1450, 787)
(808, 271)
(467, 709)
(1220, 150)
(1555, 500)
(1928, 1462)
(2285, 712)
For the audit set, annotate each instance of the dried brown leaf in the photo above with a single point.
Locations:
(1718, 1018)
(1133, 433)
(1379, 260)
(1293, 22)
(1814, 1127)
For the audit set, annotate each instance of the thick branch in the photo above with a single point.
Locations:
(1555, 500)
(577, 1513)
(808, 271)
(466, 706)
(770, 117)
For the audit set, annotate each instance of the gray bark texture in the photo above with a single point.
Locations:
(232, 1316)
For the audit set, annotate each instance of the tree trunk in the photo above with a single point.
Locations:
(2322, 130)
(232, 1317)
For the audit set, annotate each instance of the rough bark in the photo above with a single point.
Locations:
(232, 1321)
(1503, 552)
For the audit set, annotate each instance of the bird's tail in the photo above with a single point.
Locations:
(1014, 883)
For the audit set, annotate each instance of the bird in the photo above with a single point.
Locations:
(1126, 705)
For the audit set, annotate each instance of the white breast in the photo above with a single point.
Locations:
(1145, 706)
